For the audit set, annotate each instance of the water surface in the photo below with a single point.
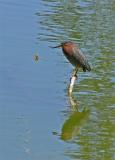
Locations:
(38, 120)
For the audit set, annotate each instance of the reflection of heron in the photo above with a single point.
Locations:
(76, 58)
(72, 125)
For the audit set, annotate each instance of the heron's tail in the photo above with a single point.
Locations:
(86, 67)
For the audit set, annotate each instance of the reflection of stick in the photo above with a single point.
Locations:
(73, 103)
(72, 82)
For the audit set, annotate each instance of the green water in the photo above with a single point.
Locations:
(38, 120)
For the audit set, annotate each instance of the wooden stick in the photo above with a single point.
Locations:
(72, 81)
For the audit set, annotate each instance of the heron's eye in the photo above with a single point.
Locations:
(66, 44)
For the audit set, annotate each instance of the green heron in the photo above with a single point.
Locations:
(76, 58)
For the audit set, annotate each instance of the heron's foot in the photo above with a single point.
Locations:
(74, 76)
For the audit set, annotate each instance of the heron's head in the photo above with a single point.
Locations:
(65, 44)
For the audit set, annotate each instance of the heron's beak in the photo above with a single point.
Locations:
(57, 46)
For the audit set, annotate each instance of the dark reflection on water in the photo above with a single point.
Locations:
(72, 125)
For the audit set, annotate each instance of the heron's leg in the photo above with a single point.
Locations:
(72, 80)
(75, 72)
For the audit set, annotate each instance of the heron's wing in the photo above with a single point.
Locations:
(81, 59)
